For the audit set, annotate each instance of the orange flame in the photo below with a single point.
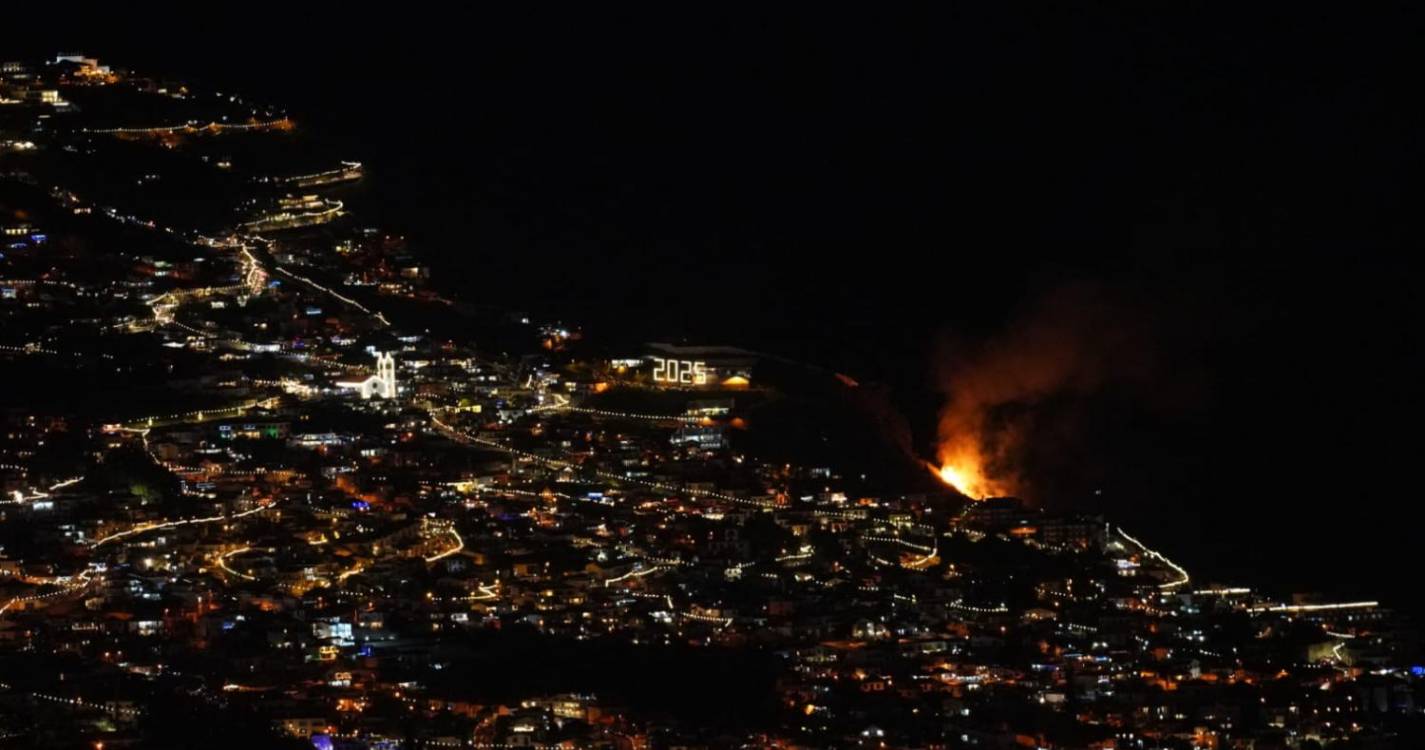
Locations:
(1070, 343)
(962, 467)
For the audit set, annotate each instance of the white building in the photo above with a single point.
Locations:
(380, 385)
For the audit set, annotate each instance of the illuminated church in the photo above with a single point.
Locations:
(380, 385)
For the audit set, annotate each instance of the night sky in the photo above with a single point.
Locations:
(1242, 190)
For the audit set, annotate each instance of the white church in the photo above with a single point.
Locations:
(380, 385)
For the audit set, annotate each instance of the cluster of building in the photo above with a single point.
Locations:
(368, 533)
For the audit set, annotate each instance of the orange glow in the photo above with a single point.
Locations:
(969, 458)
(965, 474)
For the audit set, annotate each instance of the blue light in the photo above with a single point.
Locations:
(1418, 671)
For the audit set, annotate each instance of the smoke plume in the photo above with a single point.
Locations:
(1072, 342)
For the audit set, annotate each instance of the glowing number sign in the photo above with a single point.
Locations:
(679, 371)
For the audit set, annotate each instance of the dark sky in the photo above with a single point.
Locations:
(852, 187)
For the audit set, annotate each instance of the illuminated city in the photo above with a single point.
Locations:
(271, 475)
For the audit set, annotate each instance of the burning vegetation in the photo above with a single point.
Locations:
(1071, 343)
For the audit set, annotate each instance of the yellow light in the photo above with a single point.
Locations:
(965, 475)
